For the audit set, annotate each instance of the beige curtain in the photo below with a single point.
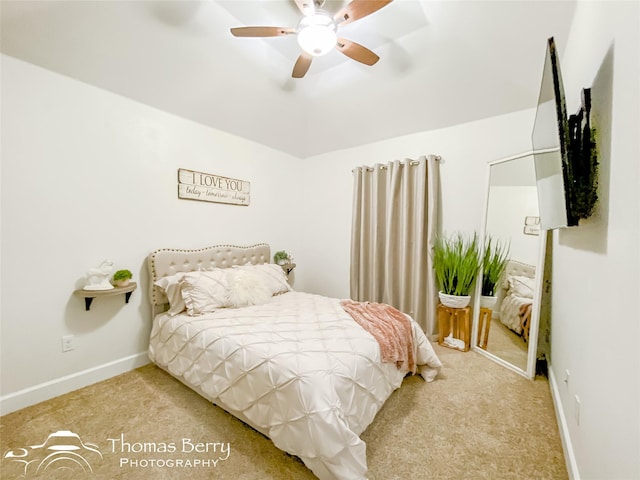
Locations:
(395, 209)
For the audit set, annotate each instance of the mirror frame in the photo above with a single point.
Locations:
(532, 348)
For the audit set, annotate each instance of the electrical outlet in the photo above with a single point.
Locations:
(576, 409)
(68, 343)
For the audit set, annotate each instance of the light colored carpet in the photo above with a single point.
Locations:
(507, 344)
(476, 421)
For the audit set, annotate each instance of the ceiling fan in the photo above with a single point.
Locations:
(317, 32)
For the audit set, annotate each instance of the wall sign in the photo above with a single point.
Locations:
(531, 226)
(212, 188)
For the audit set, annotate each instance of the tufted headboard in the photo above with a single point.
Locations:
(514, 268)
(169, 261)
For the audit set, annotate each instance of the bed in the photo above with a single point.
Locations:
(515, 297)
(296, 367)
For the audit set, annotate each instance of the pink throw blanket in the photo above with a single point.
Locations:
(391, 329)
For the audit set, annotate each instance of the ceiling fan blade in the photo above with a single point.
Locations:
(261, 31)
(356, 51)
(302, 65)
(358, 9)
(307, 7)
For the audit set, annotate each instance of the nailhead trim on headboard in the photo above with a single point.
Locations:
(169, 261)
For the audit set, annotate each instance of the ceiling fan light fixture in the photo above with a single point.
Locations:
(317, 34)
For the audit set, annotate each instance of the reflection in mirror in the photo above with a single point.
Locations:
(512, 217)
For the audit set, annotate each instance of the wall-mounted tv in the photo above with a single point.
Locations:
(564, 152)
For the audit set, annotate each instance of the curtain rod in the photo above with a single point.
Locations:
(412, 163)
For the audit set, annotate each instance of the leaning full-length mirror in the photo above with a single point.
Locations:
(506, 329)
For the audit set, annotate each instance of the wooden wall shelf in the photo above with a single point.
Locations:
(288, 267)
(89, 295)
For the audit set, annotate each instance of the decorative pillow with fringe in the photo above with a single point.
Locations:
(272, 275)
(246, 288)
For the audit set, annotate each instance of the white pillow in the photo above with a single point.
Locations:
(171, 286)
(246, 287)
(204, 291)
(272, 275)
(521, 286)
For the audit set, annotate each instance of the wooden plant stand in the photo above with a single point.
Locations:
(456, 321)
(484, 325)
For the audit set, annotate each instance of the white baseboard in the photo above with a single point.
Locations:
(569, 456)
(53, 388)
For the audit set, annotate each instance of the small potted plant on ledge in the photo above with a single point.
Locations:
(122, 278)
(456, 261)
(494, 262)
(282, 258)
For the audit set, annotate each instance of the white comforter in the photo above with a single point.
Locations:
(510, 311)
(298, 368)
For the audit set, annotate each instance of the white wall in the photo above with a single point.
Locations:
(88, 175)
(466, 150)
(595, 274)
(508, 207)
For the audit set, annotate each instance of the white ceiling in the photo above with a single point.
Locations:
(442, 63)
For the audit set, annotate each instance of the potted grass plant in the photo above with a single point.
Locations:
(494, 263)
(456, 261)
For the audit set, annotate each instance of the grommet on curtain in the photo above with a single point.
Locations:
(413, 163)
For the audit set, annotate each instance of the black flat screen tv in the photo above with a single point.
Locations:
(550, 140)
(564, 152)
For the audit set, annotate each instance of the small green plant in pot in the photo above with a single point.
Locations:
(122, 277)
(281, 257)
(456, 261)
(494, 263)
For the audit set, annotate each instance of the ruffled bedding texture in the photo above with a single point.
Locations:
(519, 294)
(297, 368)
(510, 312)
